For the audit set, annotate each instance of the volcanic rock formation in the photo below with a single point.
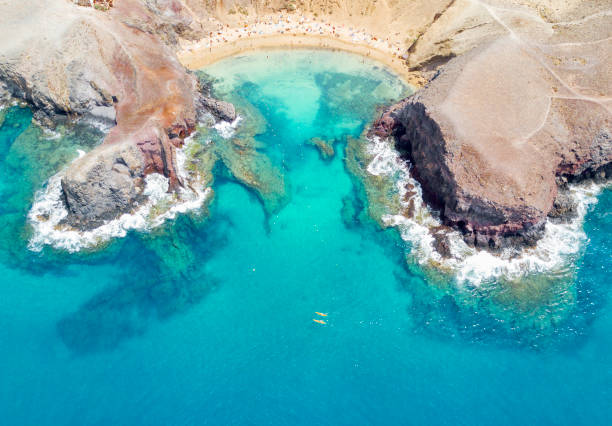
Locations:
(110, 64)
(497, 128)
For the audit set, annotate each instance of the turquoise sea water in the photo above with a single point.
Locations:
(208, 319)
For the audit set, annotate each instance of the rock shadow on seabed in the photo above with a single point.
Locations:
(166, 277)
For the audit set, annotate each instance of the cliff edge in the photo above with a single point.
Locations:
(113, 63)
(501, 127)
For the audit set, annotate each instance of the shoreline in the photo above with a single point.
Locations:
(202, 53)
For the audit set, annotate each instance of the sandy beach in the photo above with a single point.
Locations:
(294, 32)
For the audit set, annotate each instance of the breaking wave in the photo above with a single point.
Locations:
(225, 129)
(48, 211)
(51, 134)
(554, 253)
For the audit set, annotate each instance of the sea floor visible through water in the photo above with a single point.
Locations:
(208, 318)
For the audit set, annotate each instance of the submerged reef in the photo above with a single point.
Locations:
(236, 146)
(175, 283)
(325, 148)
(518, 295)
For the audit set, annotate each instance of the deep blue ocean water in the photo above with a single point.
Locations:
(209, 320)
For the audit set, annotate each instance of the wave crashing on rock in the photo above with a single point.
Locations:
(49, 210)
(556, 252)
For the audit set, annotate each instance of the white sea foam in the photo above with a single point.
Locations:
(51, 134)
(557, 249)
(48, 211)
(226, 129)
(415, 229)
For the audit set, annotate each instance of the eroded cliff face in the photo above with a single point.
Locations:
(110, 64)
(500, 127)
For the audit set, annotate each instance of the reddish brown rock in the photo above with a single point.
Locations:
(491, 134)
(115, 65)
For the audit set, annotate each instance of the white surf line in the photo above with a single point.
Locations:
(556, 251)
(225, 129)
(48, 211)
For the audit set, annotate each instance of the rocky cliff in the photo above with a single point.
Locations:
(519, 110)
(112, 63)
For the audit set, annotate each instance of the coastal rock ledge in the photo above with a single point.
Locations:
(497, 134)
(113, 64)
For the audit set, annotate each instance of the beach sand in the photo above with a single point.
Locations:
(282, 31)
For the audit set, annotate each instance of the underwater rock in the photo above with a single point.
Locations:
(255, 170)
(325, 148)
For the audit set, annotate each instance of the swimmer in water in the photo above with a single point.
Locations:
(319, 321)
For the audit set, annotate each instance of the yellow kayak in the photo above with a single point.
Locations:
(321, 314)
(319, 321)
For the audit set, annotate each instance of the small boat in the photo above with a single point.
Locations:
(319, 321)
(321, 314)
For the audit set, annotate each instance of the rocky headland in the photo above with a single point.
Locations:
(517, 105)
(112, 63)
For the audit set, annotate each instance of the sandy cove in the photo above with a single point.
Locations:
(487, 148)
(280, 32)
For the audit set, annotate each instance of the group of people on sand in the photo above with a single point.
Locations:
(281, 24)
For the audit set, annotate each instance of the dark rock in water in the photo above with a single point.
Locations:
(564, 208)
(103, 185)
(45, 120)
(441, 244)
(325, 148)
(220, 109)
(5, 95)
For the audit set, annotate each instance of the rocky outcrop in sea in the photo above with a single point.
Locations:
(508, 119)
(113, 64)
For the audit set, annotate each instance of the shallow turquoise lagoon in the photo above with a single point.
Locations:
(208, 319)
